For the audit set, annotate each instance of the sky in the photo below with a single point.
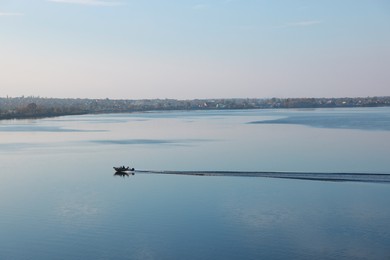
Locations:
(193, 49)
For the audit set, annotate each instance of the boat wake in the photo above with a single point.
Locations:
(317, 176)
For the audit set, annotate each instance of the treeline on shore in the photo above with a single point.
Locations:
(35, 107)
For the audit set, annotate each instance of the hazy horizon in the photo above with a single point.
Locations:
(124, 49)
(206, 98)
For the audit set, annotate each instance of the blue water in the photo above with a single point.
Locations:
(361, 119)
(59, 198)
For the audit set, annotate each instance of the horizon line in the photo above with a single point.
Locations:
(180, 99)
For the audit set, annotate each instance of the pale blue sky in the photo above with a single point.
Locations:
(194, 49)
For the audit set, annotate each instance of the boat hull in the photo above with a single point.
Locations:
(123, 169)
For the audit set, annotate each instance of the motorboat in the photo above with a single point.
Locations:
(123, 169)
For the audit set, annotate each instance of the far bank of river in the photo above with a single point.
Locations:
(36, 107)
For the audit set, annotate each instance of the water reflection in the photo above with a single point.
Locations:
(349, 119)
(150, 141)
(123, 174)
(41, 128)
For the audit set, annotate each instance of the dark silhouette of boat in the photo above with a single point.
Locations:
(123, 169)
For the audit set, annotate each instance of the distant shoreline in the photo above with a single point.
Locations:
(37, 107)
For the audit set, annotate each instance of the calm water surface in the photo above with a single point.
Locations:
(60, 200)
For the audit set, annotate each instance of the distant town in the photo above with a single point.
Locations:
(37, 107)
